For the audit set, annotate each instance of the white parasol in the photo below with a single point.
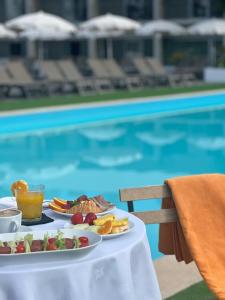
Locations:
(211, 28)
(42, 26)
(45, 34)
(155, 29)
(41, 20)
(160, 26)
(107, 26)
(6, 33)
(208, 27)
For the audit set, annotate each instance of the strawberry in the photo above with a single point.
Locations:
(77, 219)
(90, 217)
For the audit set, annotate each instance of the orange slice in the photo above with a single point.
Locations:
(106, 228)
(54, 206)
(19, 185)
(59, 202)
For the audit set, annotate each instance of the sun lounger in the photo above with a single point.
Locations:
(184, 78)
(98, 68)
(5, 83)
(55, 79)
(19, 77)
(161, 74)
(144, 70)
(100, 74)
(73, 75)
(52, 72)
(119, 77)
(116, 76)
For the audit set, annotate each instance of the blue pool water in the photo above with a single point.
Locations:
(92, 152)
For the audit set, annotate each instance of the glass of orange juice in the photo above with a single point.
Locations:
(30, 202)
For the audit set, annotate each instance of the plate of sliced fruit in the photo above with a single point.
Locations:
(83, 204)
(108, 226)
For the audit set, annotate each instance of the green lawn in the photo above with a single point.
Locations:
(10, 104)
(198, 291)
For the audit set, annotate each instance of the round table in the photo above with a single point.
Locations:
(118, 269)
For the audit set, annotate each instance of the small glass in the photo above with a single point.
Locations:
(30, 202)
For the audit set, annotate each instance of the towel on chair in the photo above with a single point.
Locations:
(200, 233)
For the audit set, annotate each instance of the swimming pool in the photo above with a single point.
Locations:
(102, 149)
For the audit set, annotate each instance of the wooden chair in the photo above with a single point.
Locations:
(147, 193)
(155, 217)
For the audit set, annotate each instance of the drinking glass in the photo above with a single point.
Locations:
(30, 202)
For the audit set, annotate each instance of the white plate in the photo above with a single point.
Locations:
(25, 228)
(22, 229)
(47, 256)
(104, 236)
(114, 235)
(97, 214)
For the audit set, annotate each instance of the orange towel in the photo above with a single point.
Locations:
(200, 234)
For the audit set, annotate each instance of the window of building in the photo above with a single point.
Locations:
(80, 10)
(11, 9)
(134, 9)
(217, 8)
(138, 9)
(201, 8)
(72, 10)
(185, 51)
(175, 9)
(15, 49)
(2, 12)
(52, 7)
(114, 7)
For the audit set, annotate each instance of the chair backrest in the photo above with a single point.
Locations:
(19, 73)
(148, 193)
(69, 70)
(114, 69)
(141, 66)
(98, 68)
(52, 71)
(156, 66)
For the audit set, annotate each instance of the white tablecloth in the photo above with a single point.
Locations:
(118, 269)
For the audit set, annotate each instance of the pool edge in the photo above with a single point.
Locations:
(163, 98)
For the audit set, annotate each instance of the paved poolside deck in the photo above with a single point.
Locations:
(173, 277)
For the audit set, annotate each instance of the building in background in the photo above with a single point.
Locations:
(176, 50)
